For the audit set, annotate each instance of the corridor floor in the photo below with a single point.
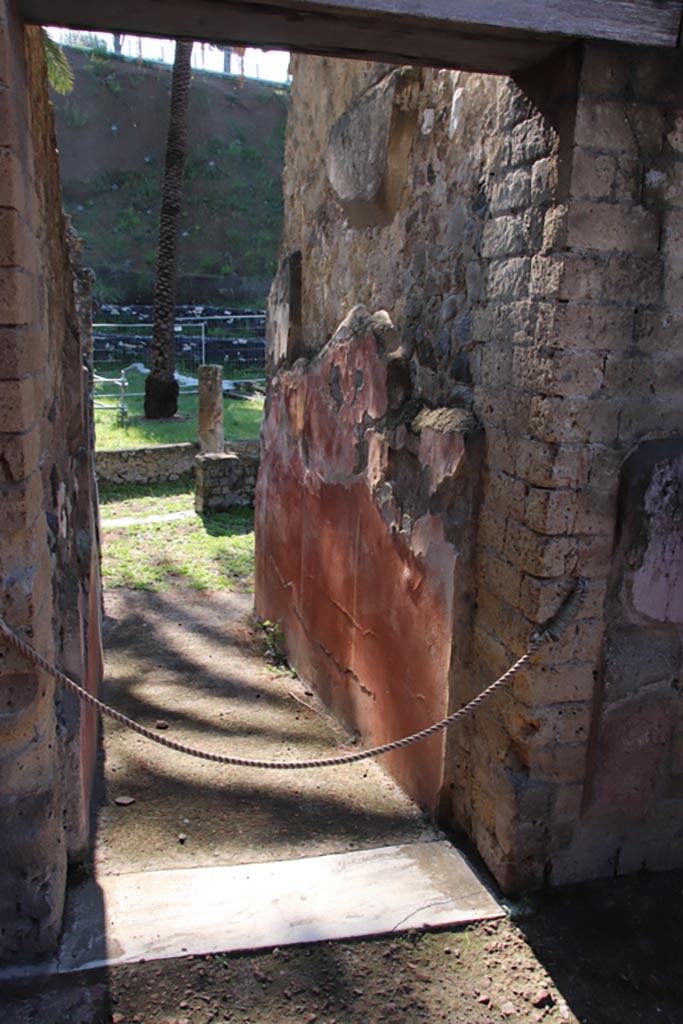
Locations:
(193, 857)
(193, 665)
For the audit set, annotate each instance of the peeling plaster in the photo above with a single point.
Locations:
(349, 555)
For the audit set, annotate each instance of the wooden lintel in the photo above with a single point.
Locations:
(496, 36)
(649, 22)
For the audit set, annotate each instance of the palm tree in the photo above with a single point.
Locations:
(161, 388)
(59, 73)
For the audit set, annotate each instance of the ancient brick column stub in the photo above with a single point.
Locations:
(224, 480)
(211, 433)
(368, 150)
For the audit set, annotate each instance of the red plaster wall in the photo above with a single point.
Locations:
(368, 608)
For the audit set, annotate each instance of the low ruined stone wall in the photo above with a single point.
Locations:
(157, 463)
(224, 480)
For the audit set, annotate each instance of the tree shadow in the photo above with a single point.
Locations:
(136, 631)
(237, 521)
(110, 493)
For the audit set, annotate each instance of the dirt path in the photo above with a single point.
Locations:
(193, 662)
(605, 953)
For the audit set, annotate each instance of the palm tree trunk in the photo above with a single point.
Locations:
(161, 388)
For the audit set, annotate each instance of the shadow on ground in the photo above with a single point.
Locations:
(192, 666)
(604, 953)
(614, 947)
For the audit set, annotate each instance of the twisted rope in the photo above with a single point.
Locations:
(552, 630)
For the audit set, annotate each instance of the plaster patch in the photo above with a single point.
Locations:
(657, 586)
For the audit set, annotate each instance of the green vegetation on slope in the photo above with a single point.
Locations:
(111, 132)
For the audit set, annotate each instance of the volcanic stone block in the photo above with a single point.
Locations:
(32, 884)
(368, 151)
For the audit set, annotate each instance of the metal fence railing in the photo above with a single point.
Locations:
(237, 342)
(110, 393)
(121, 353)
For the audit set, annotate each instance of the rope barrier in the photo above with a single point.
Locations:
(551, 630)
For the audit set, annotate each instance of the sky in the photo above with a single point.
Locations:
(270, 65)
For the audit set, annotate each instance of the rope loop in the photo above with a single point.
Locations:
(552, 630)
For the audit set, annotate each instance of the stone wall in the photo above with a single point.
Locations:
(158, 463)
(223, 480)
(524, 240)
(49, 566)
(616, 298)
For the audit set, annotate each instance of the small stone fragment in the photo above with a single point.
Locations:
(507, 1009)
(542, 998)
(116, 1018)
(182, 838)
(124, 801)
(161, 724)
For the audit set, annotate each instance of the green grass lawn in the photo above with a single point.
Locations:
(119, 500)
(242, 418)
(212, 552)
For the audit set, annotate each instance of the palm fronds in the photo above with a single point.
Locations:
(59, 73)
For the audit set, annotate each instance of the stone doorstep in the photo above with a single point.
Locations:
(158, 915)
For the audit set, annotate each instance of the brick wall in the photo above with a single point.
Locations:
(48, 548)
(615, 294)
(532, 267)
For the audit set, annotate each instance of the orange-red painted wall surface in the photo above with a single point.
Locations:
(365, 591)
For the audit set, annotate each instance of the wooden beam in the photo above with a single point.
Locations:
(649, 22)
(496, 36)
